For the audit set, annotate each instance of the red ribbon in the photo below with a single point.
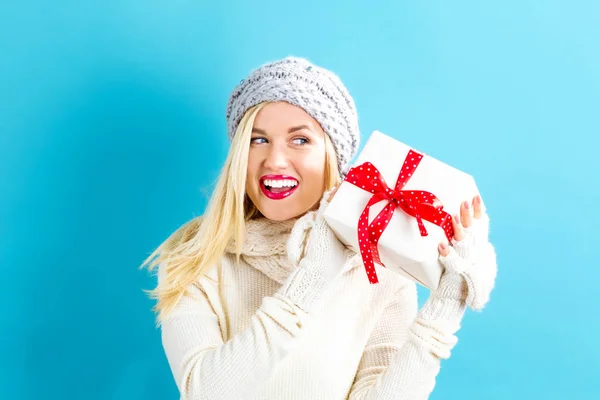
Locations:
(417, 203)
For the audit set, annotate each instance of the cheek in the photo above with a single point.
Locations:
(314, 171)
(253, 164)
(250, 174)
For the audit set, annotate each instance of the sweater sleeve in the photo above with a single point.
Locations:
(204, 366)
(402, 357)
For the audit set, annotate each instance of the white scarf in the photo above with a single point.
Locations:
(265, 247)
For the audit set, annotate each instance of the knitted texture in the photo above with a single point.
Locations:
(267, 252)
(239, 334)
(320, 257)
(470, 267)
(236, 334)
(296, 319)
(317, 90)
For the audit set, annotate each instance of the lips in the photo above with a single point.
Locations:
(279, 195)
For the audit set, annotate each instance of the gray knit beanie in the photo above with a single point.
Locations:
(316, 90)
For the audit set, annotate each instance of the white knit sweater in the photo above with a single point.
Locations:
(237, 335)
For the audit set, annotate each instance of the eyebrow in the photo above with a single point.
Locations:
(291, 130)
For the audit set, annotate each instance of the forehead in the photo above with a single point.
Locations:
(282, 115)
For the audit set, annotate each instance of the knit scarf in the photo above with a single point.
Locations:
(265, 247)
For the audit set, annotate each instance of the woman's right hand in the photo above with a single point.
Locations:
(315, 249)
(311, 236)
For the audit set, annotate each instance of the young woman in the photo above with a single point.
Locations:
(257, 299)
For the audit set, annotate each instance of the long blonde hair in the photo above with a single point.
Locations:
(189, 252)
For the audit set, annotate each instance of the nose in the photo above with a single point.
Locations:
(276, 159)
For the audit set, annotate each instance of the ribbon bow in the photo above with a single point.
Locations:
(417, 203)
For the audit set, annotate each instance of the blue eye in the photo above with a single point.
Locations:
(256, 140)
(301, 139)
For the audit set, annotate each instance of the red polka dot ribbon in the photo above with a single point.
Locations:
(417, 203)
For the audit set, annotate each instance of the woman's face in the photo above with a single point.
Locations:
(286, 162)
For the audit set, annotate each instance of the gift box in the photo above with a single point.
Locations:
(396, 205)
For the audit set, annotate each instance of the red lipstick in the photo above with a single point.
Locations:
(278, 195)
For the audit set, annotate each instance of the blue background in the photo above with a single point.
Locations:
(112, 133)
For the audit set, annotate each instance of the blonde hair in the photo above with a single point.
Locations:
(188, 253)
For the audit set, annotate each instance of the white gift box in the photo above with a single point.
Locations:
(401, 246)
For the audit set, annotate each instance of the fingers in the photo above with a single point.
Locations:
(459, 233)
(468, 212)
(444, 249)
(465, 214)
(477, 208)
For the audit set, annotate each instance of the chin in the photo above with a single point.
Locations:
(282, 210)
(279, 214)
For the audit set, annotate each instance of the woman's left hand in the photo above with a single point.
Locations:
(470, 261)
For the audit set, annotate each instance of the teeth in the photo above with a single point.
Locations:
(279, 183)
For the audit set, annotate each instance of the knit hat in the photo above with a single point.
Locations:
(316, 90)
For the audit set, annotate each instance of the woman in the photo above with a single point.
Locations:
(257, 299)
